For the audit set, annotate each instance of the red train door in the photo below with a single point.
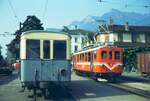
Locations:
(91, 61)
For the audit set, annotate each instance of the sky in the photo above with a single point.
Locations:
(57, 13)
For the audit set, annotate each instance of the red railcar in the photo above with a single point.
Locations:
(100, 61)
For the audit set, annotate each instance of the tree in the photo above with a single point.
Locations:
(31, 23)
(90, 37)
(131, 63)
(1, 57)
(65, 29)
(2, 61)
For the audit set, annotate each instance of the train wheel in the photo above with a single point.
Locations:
(112, 80)
(78, 73)
(95, 79)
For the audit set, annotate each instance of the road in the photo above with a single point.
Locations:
(80, 89)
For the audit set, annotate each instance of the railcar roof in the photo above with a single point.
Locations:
(93, 49)
(45, 31)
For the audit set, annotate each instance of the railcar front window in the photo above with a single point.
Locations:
(33, 49)
(46, 49)
(117, 55)
(59, 50)
(104, 55)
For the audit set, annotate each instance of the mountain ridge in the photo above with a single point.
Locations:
(119, 18)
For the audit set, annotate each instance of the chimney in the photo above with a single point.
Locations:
(126, 26)
(111, 21)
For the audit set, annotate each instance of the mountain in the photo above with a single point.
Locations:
(90, 22)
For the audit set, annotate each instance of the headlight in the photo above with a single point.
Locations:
(63, 72)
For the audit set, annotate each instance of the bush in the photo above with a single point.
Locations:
(129, 57)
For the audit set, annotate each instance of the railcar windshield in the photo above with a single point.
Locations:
(117, 55)
(59, 49)
(104, 54)
(33, 49)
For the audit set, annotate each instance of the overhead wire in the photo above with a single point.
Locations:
(126, 5)
(7, 34)
(13, 10)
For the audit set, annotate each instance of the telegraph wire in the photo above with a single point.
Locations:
(13, 10)
(124, 4)
(45, 9)
(6, 34)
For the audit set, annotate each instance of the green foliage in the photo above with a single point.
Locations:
(2, 60)
(65, 29)
(90, 37)
(31, 23)
(129, 57)
(1, 57)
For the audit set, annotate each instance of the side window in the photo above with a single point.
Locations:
(83, 57)
(78, 58)
(46, 49)
(85, 54)
(59, 49)
(33, 49)
(117, 55)
(104, 55)
(89, 56)
(76, 48)
(75, 58)
(95, 56)
(76, 39)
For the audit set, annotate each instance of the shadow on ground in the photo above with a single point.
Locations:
(5, 79)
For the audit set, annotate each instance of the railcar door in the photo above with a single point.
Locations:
(46, 71)
(90, 54)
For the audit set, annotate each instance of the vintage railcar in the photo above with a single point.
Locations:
(45, 59)
(100, 61)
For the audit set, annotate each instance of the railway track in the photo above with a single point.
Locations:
(133, 85)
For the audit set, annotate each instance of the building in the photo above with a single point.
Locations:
(79, 39)
(125, 35)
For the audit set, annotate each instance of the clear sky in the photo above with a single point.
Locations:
(59, 12)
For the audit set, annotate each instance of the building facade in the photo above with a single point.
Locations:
(126, 36)
(79, 39)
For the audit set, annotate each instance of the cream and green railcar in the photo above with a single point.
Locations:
(45, 58)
